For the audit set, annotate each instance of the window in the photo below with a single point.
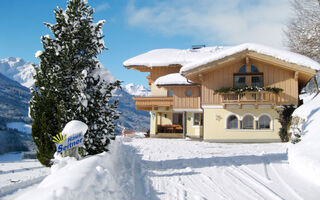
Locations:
(197, 119)
(170, 93)
(177, 118)
(251, 78)
(232, 122)
(264, 122)
(240, 81)
(243, 69)
(247, 122)
(254, 69)
(256, 81)
(189, 93)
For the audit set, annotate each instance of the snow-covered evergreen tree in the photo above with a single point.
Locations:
(68, 69)
(46, 122)
(97, 111)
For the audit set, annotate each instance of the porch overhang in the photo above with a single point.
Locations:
(149, 103)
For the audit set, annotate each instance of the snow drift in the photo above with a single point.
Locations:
(103, 176)
(304, 156)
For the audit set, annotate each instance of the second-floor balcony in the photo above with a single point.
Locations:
(253, 98)
(147, 103)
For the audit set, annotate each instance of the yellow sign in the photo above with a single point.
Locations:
(59, 138)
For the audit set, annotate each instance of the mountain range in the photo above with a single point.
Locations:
(19, 74)
(14, 100)
(17, 69)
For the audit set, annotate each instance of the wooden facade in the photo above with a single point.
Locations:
(273, 76)
(182, 101)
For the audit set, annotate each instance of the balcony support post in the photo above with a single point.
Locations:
(184, 124)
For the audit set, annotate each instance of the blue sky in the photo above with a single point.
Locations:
(137, 26)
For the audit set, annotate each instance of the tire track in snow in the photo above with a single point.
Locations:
(294, 193)
(20, 170)
(250, 180)
(246, 170)
(6, 190)
(235, 178)
(221, 192)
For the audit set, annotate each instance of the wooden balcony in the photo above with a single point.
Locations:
(250, 98)
(147, 103)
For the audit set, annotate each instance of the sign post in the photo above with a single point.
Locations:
(71, 138)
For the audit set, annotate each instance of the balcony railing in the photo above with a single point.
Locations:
(262, 97)
(147, 103)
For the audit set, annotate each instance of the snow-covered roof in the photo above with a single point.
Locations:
(193, 58)
(165, 57)
(172, 79)
(283, 55)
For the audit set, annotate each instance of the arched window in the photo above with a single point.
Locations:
(189, 93)
(232, 122)
(247, 122)
(242, 69)
(170, 93)
(264, 122)
(254, 69)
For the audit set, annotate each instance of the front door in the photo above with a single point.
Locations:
(178, 119)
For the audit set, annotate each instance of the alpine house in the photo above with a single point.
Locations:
(222, 94)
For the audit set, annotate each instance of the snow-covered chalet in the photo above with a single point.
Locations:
(222, 94)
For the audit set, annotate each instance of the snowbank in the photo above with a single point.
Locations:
(304, 156)
(103, 176)
(75, 127)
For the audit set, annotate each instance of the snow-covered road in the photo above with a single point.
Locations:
(182, 169)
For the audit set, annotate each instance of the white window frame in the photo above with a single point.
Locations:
(271, 121)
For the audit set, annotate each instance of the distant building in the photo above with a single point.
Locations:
(223, 94)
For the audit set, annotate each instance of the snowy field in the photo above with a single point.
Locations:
(16, 175)
(139, 168)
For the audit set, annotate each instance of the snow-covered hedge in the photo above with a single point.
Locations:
(305, 155)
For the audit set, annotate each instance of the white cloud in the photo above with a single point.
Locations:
(228, 22)
(102, 7)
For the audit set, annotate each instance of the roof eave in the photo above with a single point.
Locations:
(176, 85)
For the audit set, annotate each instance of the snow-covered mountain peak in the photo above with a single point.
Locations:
(136, 90)
(18, 70)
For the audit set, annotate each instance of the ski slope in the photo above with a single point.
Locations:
(149, 168)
